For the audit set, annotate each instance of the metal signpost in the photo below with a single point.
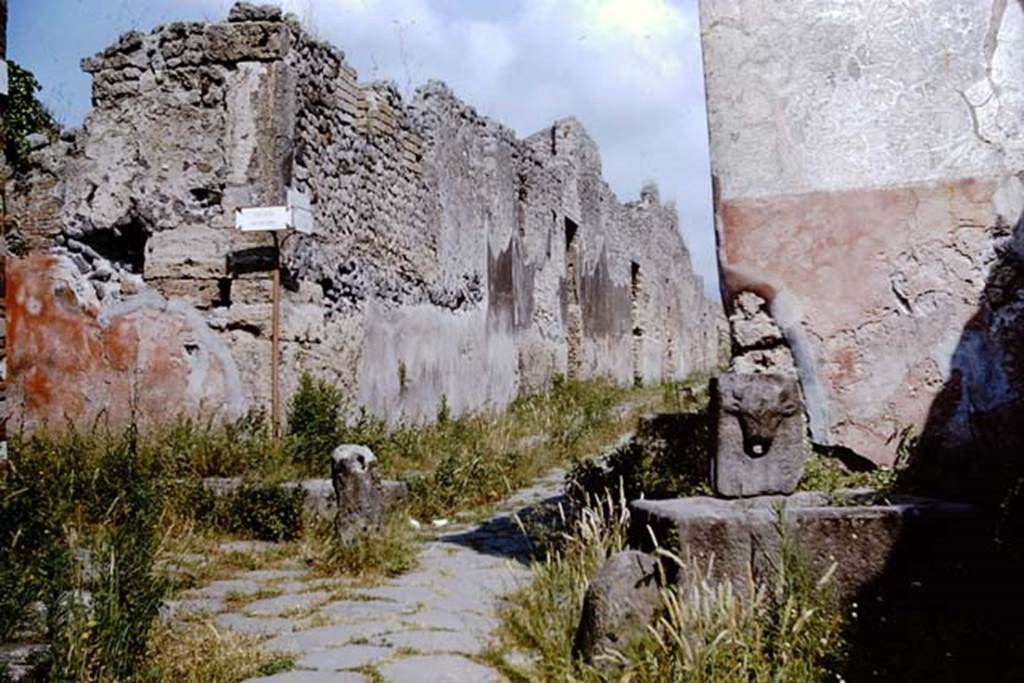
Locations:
(296, 216)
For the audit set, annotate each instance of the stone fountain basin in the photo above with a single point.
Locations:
(876, 541)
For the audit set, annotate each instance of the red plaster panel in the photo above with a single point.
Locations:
(881, 282)
(66, 367)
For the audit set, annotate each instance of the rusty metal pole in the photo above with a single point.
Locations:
(275, 349)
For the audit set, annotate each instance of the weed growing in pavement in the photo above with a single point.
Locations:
(786, 629)
(374, 554)
(198, 651)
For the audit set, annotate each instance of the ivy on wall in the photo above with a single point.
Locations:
(24, 115)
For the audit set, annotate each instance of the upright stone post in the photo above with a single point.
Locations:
(357, 490)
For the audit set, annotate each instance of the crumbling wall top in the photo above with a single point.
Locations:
(247, 11)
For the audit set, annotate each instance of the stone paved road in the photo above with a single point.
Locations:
(420, 627)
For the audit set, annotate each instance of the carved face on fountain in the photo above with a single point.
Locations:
(760, 407)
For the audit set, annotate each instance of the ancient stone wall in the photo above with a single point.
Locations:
(869, 167)
(451, 260)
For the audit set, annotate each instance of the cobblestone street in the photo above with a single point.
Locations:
(426, 625)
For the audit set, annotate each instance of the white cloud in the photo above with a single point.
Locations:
(628, 69)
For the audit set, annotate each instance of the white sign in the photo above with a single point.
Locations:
(260, 218)
(297, 214)
(301, 211)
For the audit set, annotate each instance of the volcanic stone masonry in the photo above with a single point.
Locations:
(869, 169)
(451, 261)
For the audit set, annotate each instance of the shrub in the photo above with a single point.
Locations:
(268, 512)
(787, 630)
(190, 447)
(542, 616)
(823, 472)
(672, 460)
(314, 422)
(474, 459)
(24, 115)
(690, 395)
(444, 412)
(371, 431)
(80, 528)
(465, 461)
(22, 539)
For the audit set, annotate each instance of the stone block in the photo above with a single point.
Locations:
(187, 252)
(620, 602)
(320, 498)
(248, 11)
(395, 493)
(253, 318)
(299, 322)
(251, 256)
(773, 361)
(357, 489)
(250, 290)
(249, 41)
(760, 445)
(868, 538)
(752, 326)
(347, 657)
(437, 668)
(303, 322)
(204, 293)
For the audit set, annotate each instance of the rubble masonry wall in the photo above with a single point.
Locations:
(451, 260)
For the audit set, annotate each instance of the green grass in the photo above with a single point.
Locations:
(464, 463)
(456, 464)
(375, 554)
(787, 630)
(823, 473)
(200, 652)
(80, 532)
(132, 500)
(541, 618)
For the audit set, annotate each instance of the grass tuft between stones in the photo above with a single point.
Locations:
(200, 652)
(386, 551)
(789, 631)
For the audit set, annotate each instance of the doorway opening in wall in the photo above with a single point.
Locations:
(635, 315)
(573, 309)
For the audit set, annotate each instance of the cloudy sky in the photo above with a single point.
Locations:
(628, 69)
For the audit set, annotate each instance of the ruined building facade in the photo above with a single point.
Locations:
(451, 260)
(870, 187)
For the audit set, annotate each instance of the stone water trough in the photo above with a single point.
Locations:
(869, 542)
(871, 539)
